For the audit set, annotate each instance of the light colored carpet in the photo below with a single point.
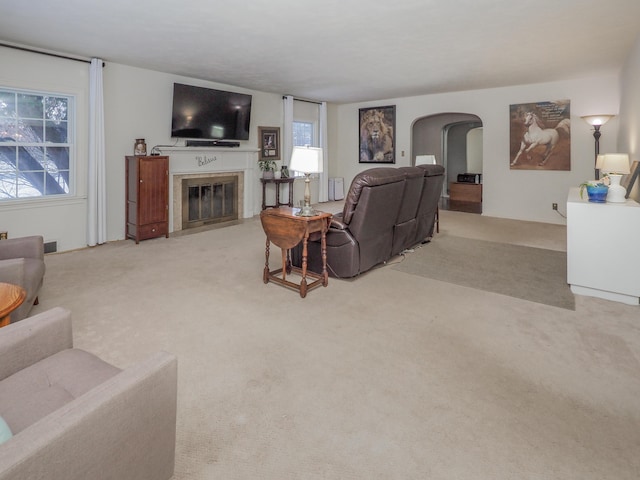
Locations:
(388, 376)
(534, 274)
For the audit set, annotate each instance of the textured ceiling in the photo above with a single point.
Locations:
(339, 50)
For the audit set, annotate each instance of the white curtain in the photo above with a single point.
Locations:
(96, 184)
(323, 193)
(287, 135)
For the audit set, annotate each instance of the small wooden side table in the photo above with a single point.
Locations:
(286, 230)
(279, 182)
(11, 297)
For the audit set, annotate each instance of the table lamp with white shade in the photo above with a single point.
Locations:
(425, 159)
(306, 160)
(615, 165)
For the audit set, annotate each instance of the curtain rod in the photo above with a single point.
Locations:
(27, 49)
(303, 100)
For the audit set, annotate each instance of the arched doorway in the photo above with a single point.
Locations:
(455, 139)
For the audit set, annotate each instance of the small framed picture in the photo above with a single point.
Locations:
(269, 143)
(630, 179)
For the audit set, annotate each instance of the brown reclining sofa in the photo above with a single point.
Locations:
(386, 211)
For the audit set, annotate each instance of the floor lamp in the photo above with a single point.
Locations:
(596, 121)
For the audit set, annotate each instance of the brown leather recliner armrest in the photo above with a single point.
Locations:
(337, 223)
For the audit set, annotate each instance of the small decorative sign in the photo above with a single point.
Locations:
(205, 160)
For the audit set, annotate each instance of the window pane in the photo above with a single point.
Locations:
(56, 108)
(30, 131)
(30, 158)
(8, 184)
(7, 104)
(8, 158)
(30, 106)
(57, 158)
(56, 132)
(55, 184)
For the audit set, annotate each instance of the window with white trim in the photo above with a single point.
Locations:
(36, 144)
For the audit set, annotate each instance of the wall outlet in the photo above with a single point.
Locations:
(554, 206)
(4, 235)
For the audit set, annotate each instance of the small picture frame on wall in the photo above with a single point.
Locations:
(630, 179)
(269, 143)
(377, 134)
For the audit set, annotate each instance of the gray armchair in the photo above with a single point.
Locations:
(74, 416)
(22, 263)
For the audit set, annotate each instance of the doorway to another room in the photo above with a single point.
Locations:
(455, 139)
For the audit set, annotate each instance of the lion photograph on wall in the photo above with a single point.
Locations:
(377, 142)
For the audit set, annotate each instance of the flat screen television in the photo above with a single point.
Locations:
(209, 114)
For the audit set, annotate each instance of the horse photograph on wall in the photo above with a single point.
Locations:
(540, 136)
(377, 140)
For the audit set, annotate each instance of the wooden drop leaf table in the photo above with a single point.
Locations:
(285, 229)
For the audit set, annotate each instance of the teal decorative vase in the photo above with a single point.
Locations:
(597, 193)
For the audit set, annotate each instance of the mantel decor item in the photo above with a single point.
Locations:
(377, 134)
(306, 160)
(140, 147)
(269, 143)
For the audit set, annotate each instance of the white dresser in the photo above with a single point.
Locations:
(603, 248)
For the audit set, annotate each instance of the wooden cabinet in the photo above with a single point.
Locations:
(147, 184)
(465, 192)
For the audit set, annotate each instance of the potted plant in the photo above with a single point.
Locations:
(267, 167)
(596, 190)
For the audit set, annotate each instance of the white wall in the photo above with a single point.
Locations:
(518, 194)
(61, 219)
(474, 150)
(629, 134)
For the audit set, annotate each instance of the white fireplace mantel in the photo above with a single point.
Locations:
(185, 161)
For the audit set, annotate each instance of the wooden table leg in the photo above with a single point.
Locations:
(284, 252)
(290, 194)
(323, 246)
(265, 274)
(303, 282)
